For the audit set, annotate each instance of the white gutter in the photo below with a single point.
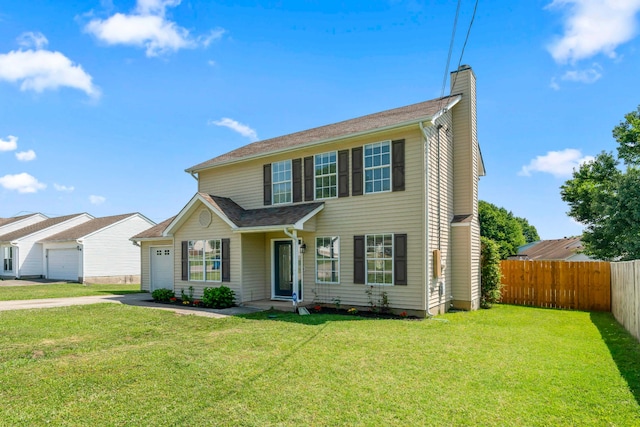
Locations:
(426, 220)
(296, 297)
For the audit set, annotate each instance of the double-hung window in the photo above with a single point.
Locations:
(326, 177)
(377, 167)
(327, 260)
(379, 259)
(281, 182)
(205, 260)
(7, 258)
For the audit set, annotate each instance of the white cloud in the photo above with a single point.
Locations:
(9, 144)
(39, 70)
(97, 200)
(63, 188)
(593, 27)
(588, 76)
(26, 156)
(148, 27)
(242, 129)
(554, 84)
(22, 183)
(558, 163)
(32, 40)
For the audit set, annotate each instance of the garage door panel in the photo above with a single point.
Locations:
(63, 264)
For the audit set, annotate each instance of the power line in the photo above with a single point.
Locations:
(453, 37)
(466, 39)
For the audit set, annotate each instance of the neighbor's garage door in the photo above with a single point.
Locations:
(161, 268)
(63, 264)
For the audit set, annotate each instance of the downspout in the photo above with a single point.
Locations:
(295, 261)
(427, 285)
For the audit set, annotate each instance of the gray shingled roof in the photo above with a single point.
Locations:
(263, 217)
(6, 221)
(155, 231)
(371, 122)
(557, 249)
(79, 231)
(34, 228)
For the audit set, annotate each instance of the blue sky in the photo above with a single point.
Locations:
(103, 104)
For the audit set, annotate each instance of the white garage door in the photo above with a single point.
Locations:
(161, 268)
(63, 264)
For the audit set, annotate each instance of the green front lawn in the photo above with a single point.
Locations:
(111, 364)
(63, 290)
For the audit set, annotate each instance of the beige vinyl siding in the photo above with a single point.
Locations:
(464, 117)
(475, 263)
(145, 261)
(218, 229)
(254, 260)
(461, 268)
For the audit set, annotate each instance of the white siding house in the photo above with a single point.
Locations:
(98, 251)
(26, 252)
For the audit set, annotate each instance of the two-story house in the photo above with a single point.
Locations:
(382, 206)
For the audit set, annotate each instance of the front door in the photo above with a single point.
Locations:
(283, 269)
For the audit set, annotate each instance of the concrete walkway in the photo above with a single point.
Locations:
(139, 300)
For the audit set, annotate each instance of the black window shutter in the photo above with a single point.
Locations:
(358, 259)
(356, 171)
(296, 166)
(308, 178)
(343, 173)
(185, 260)
(397, 151)
(267, 184)
(226, 261)
(400, 259)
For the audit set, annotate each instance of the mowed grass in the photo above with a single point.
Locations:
(63, 290)
(110, 364)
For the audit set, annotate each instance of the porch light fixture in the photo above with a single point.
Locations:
(303, 247)
(79, 247)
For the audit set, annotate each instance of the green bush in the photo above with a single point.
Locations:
(220, 297)
(490, 270)
(162, 295)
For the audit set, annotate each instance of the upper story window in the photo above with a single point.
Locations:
(377, 167)
(326, 177)
(281, 182)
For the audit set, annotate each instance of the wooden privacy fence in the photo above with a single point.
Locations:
(625, 295)
(574, 285)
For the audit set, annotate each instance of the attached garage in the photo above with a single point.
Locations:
(63, 264)
(161, 267)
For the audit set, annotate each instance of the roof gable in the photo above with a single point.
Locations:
(89, 227)
(409, 114)
(38, 227)
(155, 231)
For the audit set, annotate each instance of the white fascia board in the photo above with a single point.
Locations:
(311, 144)
(461, 224)
(300, 224)
(444, 110)
(263, 228)
(151, 239)
(56, 225)
(168, 232)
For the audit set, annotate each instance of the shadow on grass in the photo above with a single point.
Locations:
(624, 349)
(311, 319)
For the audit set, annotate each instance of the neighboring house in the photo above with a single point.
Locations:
(386, 203)
(157, 257)
(97, 251)
(8, 225)
(22, 252)
(567, 249)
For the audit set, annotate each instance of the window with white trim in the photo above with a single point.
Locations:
(281, 182)
(7, 258)
(377, 167)
(379, 259)
(326, 176)
(327, 260)
(205, 260)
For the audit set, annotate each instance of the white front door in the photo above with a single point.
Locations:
(161, 268)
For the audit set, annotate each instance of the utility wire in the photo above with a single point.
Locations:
(466, 39)
(453, 37)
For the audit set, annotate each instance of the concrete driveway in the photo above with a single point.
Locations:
(139, 300)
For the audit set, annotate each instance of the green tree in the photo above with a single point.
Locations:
(528, 231)
(491, 275)
(606, 199)
(503, 228)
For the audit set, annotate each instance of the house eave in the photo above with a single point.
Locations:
(410, 123)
